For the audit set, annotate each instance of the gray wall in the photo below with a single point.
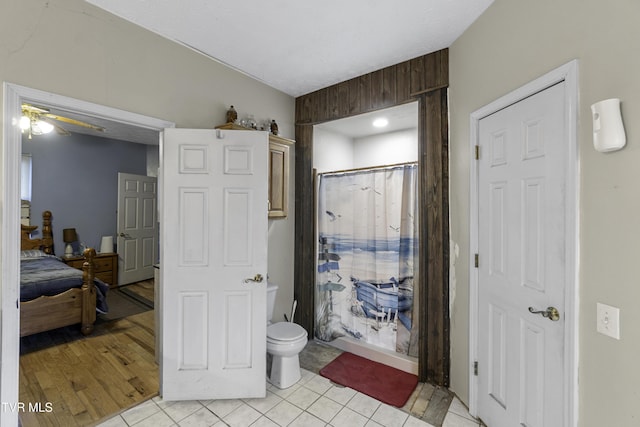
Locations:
(76, 178)
(511, 44)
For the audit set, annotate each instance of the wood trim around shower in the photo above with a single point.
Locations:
(424, 79)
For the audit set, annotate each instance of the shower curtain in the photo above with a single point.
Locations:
(366, 248)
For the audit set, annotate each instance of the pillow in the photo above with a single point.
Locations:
(31, 254)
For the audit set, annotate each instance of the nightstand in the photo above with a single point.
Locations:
(106, 266)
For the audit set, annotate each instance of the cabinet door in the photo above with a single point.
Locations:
(278, 178)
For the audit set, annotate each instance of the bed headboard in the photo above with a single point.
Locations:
(45, 243)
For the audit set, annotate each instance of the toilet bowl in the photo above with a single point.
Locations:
(285, 340)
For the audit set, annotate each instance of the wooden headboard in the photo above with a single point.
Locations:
(45, 243)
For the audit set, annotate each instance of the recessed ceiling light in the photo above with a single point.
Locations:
(381, 122)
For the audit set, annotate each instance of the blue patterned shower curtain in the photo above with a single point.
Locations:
(366, 248)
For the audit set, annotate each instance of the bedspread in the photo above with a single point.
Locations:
(48, 275)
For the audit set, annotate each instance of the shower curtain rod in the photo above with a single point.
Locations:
(367, 168)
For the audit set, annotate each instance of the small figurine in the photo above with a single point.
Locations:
(274, 127)
(232, 115)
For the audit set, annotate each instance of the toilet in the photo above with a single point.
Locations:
(285, 340)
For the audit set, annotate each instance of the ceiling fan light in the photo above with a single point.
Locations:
(39, 127)
(24, 123)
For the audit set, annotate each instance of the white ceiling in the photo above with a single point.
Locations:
(401, 117)
(297, 46)
(300, 46)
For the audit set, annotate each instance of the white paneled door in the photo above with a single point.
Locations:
(213, 264)
(521, 264)
(137, 239)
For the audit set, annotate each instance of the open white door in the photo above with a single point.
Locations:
(213, 264)
(137, 227)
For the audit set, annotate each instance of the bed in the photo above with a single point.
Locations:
(53, 294)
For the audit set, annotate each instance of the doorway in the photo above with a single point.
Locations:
(363, 165)
(14, 96)
(525, 251)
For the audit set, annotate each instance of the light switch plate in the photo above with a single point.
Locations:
(608, 318)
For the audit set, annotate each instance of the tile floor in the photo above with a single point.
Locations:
(313, 401)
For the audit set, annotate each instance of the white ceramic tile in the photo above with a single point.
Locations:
(339, 394)
(458, 408)
(318, 384)
(416, 422)
(116, 421)
(140, 412)
(307, 420)
(325, 409)
(159, 419)
(283, 393)
(371, 423)
(181, 410)
(303, 397)
(455, 420)
(283, 413)
(264, 422)
(163, 403)
(305, 376)
(200, 418)
(348, 418)
(243, 416)
(389, 416)
(222, 408)
(363, 404)
(263, 405)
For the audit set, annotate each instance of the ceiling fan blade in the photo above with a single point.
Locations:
(33, 109)
(73, 122)
(59, 129)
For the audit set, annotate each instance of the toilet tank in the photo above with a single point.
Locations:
(271, 300)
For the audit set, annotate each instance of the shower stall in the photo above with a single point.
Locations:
(365, 278)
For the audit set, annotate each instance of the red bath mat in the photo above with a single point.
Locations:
(382, 382)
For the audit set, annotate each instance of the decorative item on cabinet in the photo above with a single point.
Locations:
(232, 115)
(278, 171)
(274, 127)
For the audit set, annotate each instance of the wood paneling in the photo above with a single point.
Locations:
(425, 79)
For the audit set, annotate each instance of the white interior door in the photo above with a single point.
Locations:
(521, 268)
(137, 238)
(214, 264)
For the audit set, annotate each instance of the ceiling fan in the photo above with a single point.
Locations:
(39, 121)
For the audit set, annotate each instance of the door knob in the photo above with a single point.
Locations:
(126, 236)
(256, 279)
(550, 313)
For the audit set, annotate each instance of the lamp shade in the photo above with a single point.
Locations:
(106, 244)
(69, 235)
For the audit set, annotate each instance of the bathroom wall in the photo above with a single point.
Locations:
(386, 149)
(333, 151)
(513, 43)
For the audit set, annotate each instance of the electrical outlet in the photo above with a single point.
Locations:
(608, 320)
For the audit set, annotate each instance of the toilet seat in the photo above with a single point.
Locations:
(285, 331)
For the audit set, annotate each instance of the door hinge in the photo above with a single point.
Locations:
(475, 368)
(477, 260)
(477, 152)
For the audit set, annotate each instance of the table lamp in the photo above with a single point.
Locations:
(69, 236)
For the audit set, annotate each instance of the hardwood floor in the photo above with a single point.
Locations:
(85, 379)
(142, 289)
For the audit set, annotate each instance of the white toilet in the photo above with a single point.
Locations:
(285, 340)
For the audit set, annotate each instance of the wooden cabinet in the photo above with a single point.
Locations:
(106, 266)
(278, 172)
